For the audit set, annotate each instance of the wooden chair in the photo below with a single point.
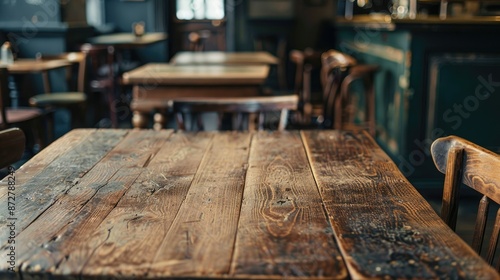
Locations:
(12, 143)
(339, 71)
(306, 62)
(465, 162)
(102, 77)
(28, 119)
(197, 40)
(74, 99)
(238, 106)
(275, 44)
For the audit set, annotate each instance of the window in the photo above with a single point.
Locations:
(200, 9)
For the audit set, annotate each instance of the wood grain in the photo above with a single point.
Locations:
(40, 161)
(281, 233)
(201, 239)
(144, 204)
(44, 189)
(126, 241)
(394, 233)
(99, 191)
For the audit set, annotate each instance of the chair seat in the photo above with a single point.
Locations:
(18, 115)
(61, 99)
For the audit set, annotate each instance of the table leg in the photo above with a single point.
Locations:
(139, 119)
(159, 121)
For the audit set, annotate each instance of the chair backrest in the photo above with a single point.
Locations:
(103, 74)
(305, 61)
(465, 162)
(339, 71)
(4, 96)
(275, 44)
(78, 59)
(335, 67)
(101, 60)
(197, 40)
(12, 144)
(238, 106)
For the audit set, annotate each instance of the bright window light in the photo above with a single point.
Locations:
(200, 9)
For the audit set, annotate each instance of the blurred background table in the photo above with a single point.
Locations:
(155, 85)
(127, 40)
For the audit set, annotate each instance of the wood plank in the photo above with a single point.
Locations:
(395, 232)
(126, 241)
(101, 188)
(282, 220)
(56, 179)
(200, 241)
(39, 161)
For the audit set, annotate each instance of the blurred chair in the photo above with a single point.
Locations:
(306, 63)
(28, 119)
(242, 108)
(12, 143)
(74, 98)
(197, 40)
(339, 72)
(103, 78)
(465, 162)
(275, 44)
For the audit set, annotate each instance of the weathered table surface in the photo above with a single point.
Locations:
(228, 58)
(159, 204)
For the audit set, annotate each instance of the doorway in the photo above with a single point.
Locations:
(204, 20)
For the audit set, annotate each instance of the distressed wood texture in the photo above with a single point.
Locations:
(144, 204)
(384, 228)
(283, 230)
(200, 241)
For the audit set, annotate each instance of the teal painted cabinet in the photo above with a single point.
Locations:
(435, 79)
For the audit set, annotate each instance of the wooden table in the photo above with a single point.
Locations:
(159, 204)
(155, 85)
(128, 40)
(218, 57)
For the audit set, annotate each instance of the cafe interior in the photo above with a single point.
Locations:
(377, 99)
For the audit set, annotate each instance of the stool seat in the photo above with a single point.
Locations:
(58, 99)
